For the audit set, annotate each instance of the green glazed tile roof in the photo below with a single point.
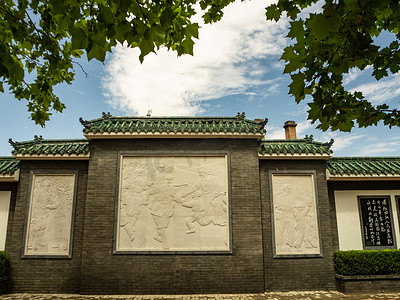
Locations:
(48, 148)
(8, 165)
(364, 166)
(173, 126)
(290, 148)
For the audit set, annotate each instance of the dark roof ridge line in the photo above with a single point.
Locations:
(44, 141)
(171, 118)
(294, 141)
(364, 158)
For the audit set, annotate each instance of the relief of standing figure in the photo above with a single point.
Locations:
(132, 199)
(285, 219)
(163, 196)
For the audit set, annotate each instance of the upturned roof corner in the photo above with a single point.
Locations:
(9, 169)
(8, 165)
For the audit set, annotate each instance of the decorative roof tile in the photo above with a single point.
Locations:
(347, 167)
(40, 148)
(294, 149)
(173, 127)
(8, 165)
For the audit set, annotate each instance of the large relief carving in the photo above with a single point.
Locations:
(171, 203)
(295, 215)
(49, 223)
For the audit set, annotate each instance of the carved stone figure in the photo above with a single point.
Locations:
(162, 207)
(285, 218)
(50, 215)
(173, 203)
(40, 215)
(219, 205)
(208, 187)
(134, 188)
(197, 212)
(295, 219)
(311, 235)
(301, 210)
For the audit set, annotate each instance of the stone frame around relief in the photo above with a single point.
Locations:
(389, 198)
(295, 215)
(184, 227)
(69, 217)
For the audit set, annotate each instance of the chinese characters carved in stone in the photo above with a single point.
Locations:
(376, 221)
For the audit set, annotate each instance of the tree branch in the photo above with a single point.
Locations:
(83, 70)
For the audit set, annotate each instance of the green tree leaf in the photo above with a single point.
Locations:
(37, 56)
(79, 39)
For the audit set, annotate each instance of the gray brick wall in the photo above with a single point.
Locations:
(52, 274)
(94, 269)
(284, 274)
(239, 272)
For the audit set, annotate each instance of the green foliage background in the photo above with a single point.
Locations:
(327, 45)
(42, 40)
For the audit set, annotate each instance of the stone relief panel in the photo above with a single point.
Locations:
(295, 215)
(49, 221)
(171, 203)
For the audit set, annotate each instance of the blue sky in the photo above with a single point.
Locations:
(235, 68)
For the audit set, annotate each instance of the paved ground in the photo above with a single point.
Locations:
(320, 295)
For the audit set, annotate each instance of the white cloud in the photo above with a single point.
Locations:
(351, 76)
(381, 91)
(274, 133)
(342, 140)
(303, 127)
(226, 61)
(382, 148)
(356, 73)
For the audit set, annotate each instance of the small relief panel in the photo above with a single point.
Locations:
(376, 222)
(173, 203)
(295, 219)
(50, 215)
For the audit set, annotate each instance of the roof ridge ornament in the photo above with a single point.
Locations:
(38, 139)
(12, 143)
(309, 138)
(241, 116)
(83, 122)
(329, 144)
(106, 116)
(264, 122)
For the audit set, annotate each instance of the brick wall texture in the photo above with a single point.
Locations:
(94, 269)
(284, 274)
(241, 271)
(51, 275)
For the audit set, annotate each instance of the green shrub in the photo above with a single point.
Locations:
(367, 262)
(4, 263)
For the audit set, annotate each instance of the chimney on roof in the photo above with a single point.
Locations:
(290, 130)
